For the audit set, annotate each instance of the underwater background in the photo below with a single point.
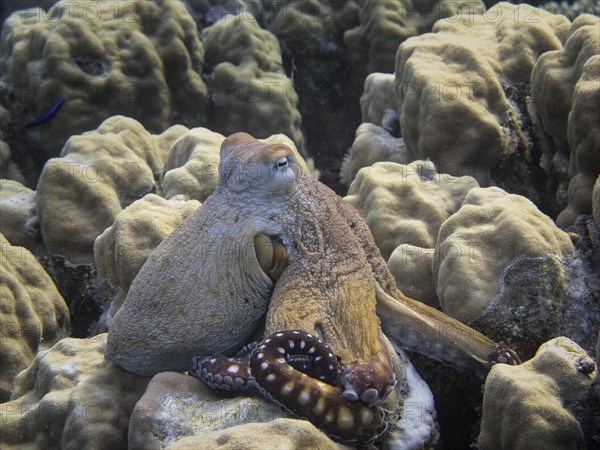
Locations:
(465, 133)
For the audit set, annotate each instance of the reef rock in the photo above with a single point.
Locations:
(34, 315)
(123, 248)
(71, 397)
(566, 91)
(406, 204)
(539, 402)
(138, 58)
(97, 175)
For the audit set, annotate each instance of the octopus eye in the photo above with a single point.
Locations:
(282, 163)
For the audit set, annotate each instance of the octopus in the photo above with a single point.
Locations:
(326, 356)
(275, 256)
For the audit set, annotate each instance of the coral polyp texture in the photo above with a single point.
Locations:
(566, 91)
(476, 244)
(71, 397)
(541, 401)
(406, 204)
(34, 315)
(138, 58)
(18, 221)
(384, 25)
(98, 174)
(249, 88)
(460, 92)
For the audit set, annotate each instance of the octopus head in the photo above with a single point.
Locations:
(248, 165)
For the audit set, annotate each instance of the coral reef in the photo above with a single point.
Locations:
(406, 204)
(138, 58)
(249, 88)
(34, 315)
(566, 92)
(476, 244)
(538, 401)
(71, 397)
(461, 96)
(122, 249)
(384, 25)
(97, 175)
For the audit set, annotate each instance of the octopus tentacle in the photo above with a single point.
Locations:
(372, 382)
(299, 372)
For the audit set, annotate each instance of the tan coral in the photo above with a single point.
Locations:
(138, 58)
(406, 204)
(192, 167)
(71, 397)
(538, 401)
(34, 315)
(565, 88)
(122, 249)
(411, 267)
(373, 144)
(384, 25)
(450, 86)
(476, 244)
(18, 221)
(98, 174)
(250, 90)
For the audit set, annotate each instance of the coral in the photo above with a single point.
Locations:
(249, 89)
(34, 315)
(137, 58)
(572, 9)
(411, 267)
(476, 244)
(71, 397)
(461, 93)
(566, 91)
(406, 204)
(192, 167)
(538, 401)
(122, 249)
(18, 221)
(97, 175)
(181, 406)
(384, 25)
(378, 97)
(373, 144)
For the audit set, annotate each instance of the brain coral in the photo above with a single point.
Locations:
(138, 58)
(566, 91)
(97, 175)
(122, 249)
(459, 88)
(384, 25)
(476, 244)
(538, 401)
(249, 89)
(33, 316)
(18, 221)
(71, 398)
(406, 204)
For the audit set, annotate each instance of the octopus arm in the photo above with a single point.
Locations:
(417, 327)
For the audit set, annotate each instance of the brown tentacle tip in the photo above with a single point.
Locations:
(503, 354)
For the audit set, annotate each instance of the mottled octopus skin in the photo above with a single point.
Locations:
(299, 372)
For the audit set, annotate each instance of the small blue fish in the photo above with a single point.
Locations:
(46, 117)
